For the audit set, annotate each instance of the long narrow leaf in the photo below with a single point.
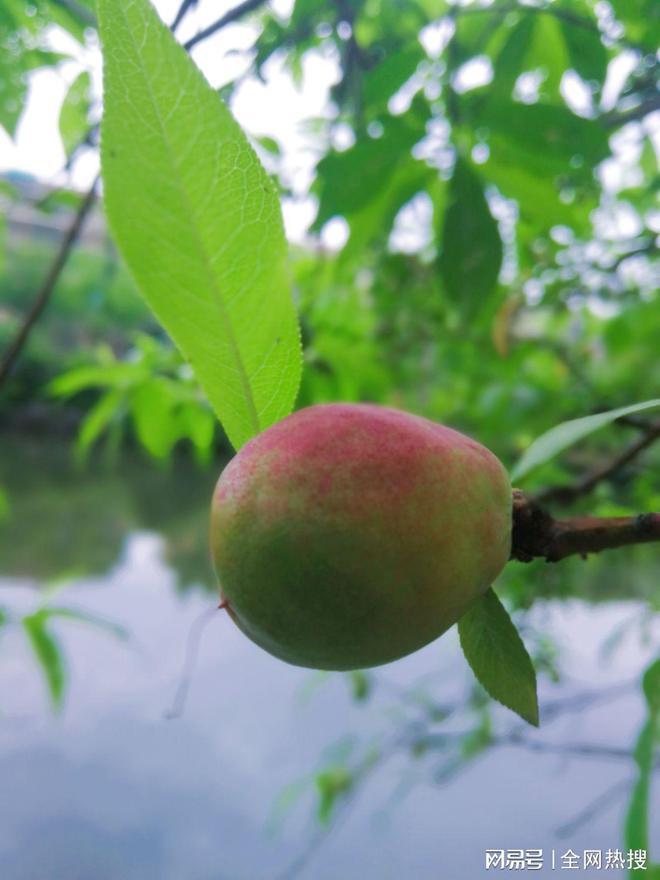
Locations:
(97, 420)
(48, 655)
(198, 221)
(92, 376)
(562, 436)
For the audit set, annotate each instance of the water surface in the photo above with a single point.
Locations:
(112, 790)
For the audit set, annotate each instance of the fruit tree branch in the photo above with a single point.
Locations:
(537, 534)
(48, 284)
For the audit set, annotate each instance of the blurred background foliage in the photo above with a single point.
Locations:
(487, 180)
(484, 252)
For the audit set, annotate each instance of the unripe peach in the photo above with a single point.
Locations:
(349, 535)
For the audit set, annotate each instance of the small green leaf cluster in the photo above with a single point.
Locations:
(150, 390)
(45, 645)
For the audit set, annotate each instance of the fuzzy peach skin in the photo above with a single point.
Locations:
(349, 535)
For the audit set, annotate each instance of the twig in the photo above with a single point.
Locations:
(648, 247)
(78, 10)
(353, 63)
(615, 119)
(566, 494)
(185, 6)
(48, 284)
(594, 807)
(538, 534)
(228, 18)
(69, 240)
(582, 750)
(516, 738)
(581, 701)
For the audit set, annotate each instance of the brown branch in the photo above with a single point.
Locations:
(537, 534)
(48, 284)
(228, 18)
(567, 494)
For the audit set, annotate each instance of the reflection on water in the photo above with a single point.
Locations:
(68, 520)
(111, 790)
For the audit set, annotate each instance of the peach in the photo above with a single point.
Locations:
(349, 535)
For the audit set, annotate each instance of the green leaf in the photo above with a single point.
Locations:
(361, 684)
(347, 181)
(641, 20)
(512, 59)
(152, 408)
(198, 221)
(479, 739)
(17, 58)
(4, 505)
(74, 121)
(651, 686)
(198, 424)
(648, 162)
(93, 376)
(374, 221)
(550, 53)
(48, 654)
(331, 784)
(13, 96)
(383, 80)
(562, 436)
(269, 144)
(97, 420)
(587, 54)
(287, 799)
(471, 253)
(537, 195)
(546, 137)
(498, 657)
(75, 16)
